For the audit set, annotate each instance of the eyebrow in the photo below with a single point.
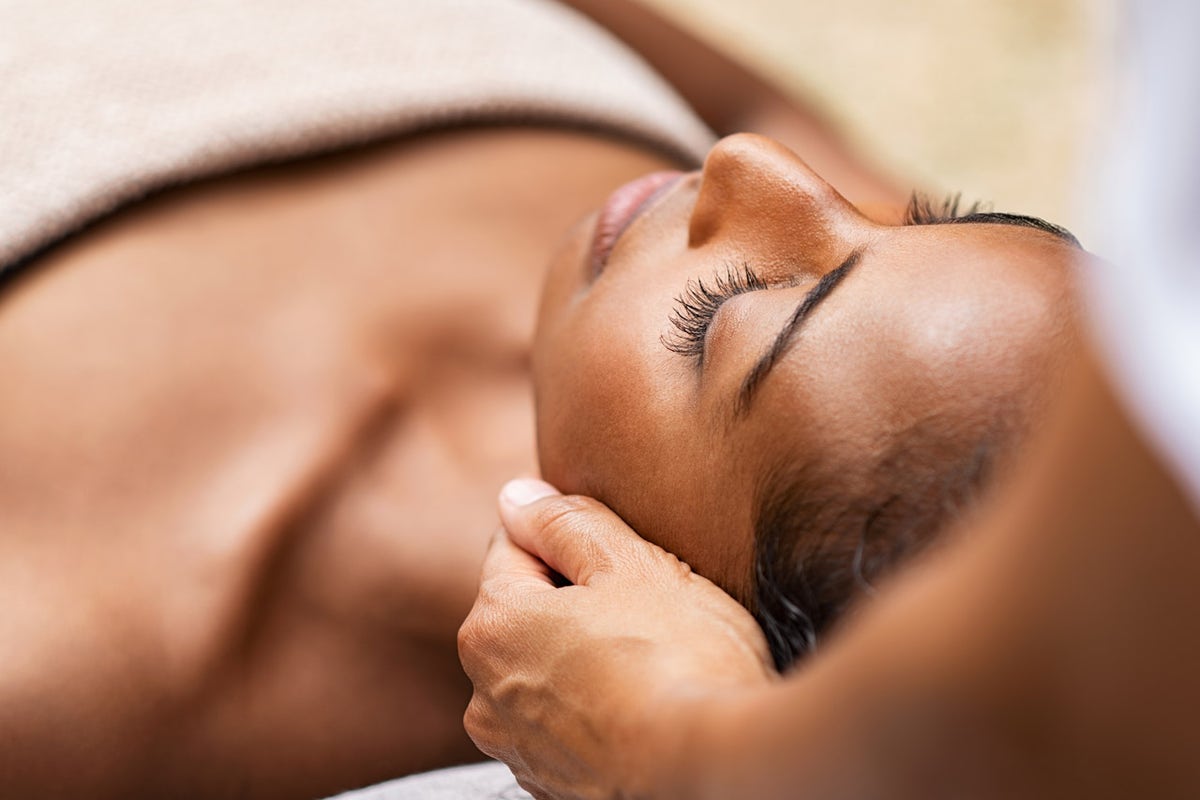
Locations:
(787, 334)
(1017, 220)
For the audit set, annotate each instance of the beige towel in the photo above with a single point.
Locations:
(104, 101)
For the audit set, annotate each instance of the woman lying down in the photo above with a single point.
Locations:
(791, 398)
(786, 395)
(252, 428)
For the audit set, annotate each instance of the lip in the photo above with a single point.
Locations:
(622, 209)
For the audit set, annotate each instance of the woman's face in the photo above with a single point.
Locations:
(674, 419)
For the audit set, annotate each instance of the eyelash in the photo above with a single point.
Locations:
(922, 211)
(695, 308)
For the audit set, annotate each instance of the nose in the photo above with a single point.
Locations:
(757, 195)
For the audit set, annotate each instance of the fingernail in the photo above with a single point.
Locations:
(523, 491)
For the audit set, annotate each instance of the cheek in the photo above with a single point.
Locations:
(563, 366)
(617, 419)
(607, 428)
(595, 420)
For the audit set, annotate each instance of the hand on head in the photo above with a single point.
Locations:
(791, 397)
(579, 688)
(685, 375)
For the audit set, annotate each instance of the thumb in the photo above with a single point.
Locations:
(578, 537)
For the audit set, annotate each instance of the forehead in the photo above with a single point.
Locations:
(929, 319)
(937, 323)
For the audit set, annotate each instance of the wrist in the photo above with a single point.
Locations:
(692, 745)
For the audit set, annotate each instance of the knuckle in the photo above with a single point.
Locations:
(476, 633)
(491, 593)
(498, 595)
(479, 645)
(473, 718)
(681, 570)
(468, 639)
(477, 723)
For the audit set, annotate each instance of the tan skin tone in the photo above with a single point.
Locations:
(237, 568)
(250, 462)
(943, 322)
(252, 444)
(253, 544)
(1052, 653)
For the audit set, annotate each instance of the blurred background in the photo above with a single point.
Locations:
(994, 98)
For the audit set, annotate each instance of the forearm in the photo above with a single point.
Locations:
(894, 710)
(1049, 651)
(1060, 633)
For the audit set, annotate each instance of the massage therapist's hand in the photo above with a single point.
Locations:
(596, 689)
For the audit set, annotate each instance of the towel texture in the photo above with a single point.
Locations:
(104, 101)
(490, 780)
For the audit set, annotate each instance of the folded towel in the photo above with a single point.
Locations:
(104, 101)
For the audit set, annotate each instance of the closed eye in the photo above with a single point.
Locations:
(695, 309)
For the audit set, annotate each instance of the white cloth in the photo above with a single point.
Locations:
(1146, 302)
(103, 101)
(487, 781)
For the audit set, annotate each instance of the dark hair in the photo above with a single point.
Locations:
(824, 535)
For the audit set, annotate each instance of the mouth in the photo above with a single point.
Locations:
(622, 209)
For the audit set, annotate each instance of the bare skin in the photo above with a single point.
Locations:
(953, 325)
(251, 434)
(258, 426)
(251, 453)
(691, 704)
(251, 445)
(1051, 654)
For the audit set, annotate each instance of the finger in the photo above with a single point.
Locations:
(509, 575)
(577, 536)
(507, 565)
